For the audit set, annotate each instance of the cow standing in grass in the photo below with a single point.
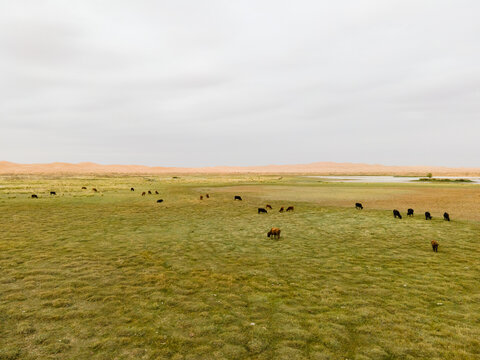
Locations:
(268, 207)
(446, 216)
(434, 245)
(237, 197)
(290, 208)
(428, 216)
(281, 209)
(274, 232)
(410, 212)
(358, 206)
(396, 214)
(262, 211)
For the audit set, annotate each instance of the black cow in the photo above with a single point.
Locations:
(236, 197)
(446, 217)
(160, 200)
(34, 196)
(132, 189)
(53, 193)
(410, 212)
(262, 211)
(358, 206)
(428, 216)
(396, 214)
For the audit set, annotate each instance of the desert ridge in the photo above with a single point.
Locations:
(318, 168)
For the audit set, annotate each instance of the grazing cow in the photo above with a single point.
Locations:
(274, 232)
(396, 214)
(95, 190)
(410, 212)
(434, 245)
(144, 193)
(53, 193)
(281, 209)
(132, 189)
(160, 200)
(446, 217)
(84, 188)
(358, 206)
(201, 197)
(149, 192)
(290, 208)
(268, 207)
(34, 196)
(428, 216)
(207, 196)
(236, 197)
(262, 211)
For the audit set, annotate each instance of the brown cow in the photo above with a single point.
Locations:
(434, 245)
(201, 197)
(144, 193)
(95, 190)
(268, 207)
(84, 188)
(290, 208)
(281, 209)
(149, 192)
(207, 196)
(156, 192)
(274, 232)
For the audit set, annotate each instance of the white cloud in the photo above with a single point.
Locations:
(193, 83)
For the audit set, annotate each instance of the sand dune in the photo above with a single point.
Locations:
(320, 168)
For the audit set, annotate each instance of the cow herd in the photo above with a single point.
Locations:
(428, 216)
(282, 209)
(275, 232)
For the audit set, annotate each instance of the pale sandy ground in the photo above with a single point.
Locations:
(320, 168)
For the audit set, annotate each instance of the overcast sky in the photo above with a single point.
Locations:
(200, 83)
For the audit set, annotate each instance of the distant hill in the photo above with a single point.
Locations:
(320, 168)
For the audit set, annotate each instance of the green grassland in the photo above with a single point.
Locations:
(114, 275)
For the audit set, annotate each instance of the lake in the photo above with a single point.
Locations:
(388, 179)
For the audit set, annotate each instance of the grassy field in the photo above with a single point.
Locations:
(114, 275)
